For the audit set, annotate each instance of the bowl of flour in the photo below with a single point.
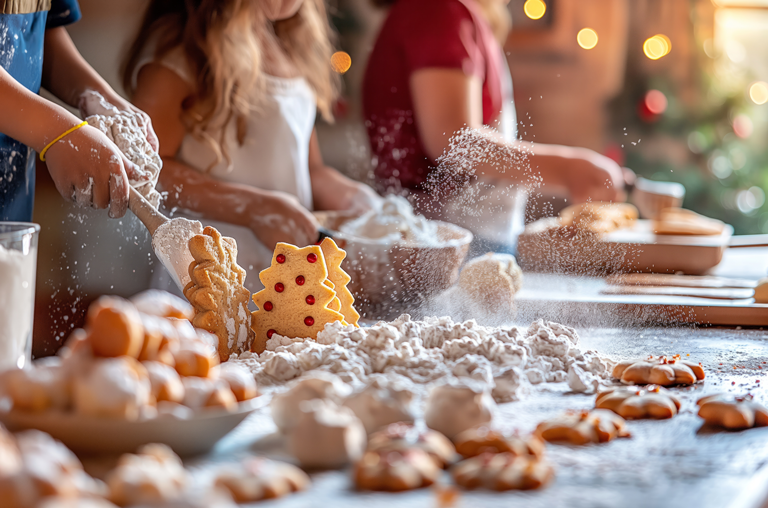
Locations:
(396, 258)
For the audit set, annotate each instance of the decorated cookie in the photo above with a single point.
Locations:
(638, 403)
(152, 477)
(217, 293)
(401, 437)
(326, 436)
(256, 479)
(333, 258)
(479, 440)
(583, 427)
(395, 471)
(298, 300)
(454, 408)
(661, 370)
(733, 413)
(502, 471)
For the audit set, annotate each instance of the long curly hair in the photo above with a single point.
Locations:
(222, 47)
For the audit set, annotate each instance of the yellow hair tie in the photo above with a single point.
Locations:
(65, 134)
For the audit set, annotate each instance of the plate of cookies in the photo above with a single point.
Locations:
(138, 373)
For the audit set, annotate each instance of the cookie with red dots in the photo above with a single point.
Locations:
(298, 299)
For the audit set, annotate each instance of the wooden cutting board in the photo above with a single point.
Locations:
(544, 247)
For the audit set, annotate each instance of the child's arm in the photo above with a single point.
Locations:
(84, 165)
(333, 191)
(68, 76)
(272, 216)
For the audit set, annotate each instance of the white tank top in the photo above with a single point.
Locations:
(274, 156)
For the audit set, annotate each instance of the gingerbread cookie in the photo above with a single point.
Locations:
(583, 427)
(217, 293)
(333, 258)
(395, 471)
(638, 403)
(733, 413)
(298, 300)
(400, 437)
(257, 479)
(501, 472)
(662, 371)
(479, 440)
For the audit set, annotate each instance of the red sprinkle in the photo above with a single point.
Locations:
(268, 306)
(733, 382)
(300, 280)
(279, 287)
(312, 257)
(280, 258)
(270, 333)
(309, 321)
(310, 300)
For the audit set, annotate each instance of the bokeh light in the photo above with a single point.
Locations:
(742, 126)
(657, 46)
(656, 102)
(758, 92)
(341, 62)
(587, 38)
(535, 9)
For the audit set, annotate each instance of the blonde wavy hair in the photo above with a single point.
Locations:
(223, 50)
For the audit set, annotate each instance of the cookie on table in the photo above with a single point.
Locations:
(732, 412)
(661, 370)
(151, 477)
(400, 437)
(584, 427)
(637, 403)
(395, 471)
(256, 479)
(479, 440)
(501, 472)
(217, 293)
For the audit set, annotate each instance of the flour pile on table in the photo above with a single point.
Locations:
(394, 222)
(126, 130)
(508, 361)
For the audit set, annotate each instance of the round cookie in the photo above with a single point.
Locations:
(112, 387)
(240, 381)
(114, 328)
(165, 381)
(153, 476)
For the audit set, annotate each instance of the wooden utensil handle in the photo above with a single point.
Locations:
(146, 213)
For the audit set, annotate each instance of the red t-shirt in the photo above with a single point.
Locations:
(419, 34)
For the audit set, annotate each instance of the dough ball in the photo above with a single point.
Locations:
(454, 408)
(285, 406)
(491, 281)
(114, 328)
(112, 387)
(380, 403)
(240, 381)
(165, 381)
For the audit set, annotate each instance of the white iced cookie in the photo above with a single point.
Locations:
(152, 477)
(43, 385)
(112, 387)
(492, 281)
(454, 408)
(326, 436)
(285, 406)
(380, 403)
(257, 479)
(165, 381)
(761, 291)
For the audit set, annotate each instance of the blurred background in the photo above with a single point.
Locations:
(677, 90)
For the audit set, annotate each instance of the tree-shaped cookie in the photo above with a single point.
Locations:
(333, 258)
(217, 293)
(636, 403)
(298, 299)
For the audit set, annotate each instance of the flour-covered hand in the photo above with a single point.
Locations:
(280, 217)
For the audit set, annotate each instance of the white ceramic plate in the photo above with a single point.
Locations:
(89, 435)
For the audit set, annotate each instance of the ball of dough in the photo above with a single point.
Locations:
(240, 381)
(285, 406)
(200, 392)
(326, 436)
(491, 281)
(112, 387)
(454, 408)
(380, 403)
(163, 304)
(114, 328)
(165, 381)
(152, 477)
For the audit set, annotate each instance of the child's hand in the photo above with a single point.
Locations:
(89, 169)
(91, 104)
(361, 198)
(591, 176)
(281, 218)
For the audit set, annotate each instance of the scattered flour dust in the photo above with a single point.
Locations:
(393, 222)
(171, 244)
(508, 361)
(126, 130)
(17, 298)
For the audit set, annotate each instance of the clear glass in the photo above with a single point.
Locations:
(18, 265)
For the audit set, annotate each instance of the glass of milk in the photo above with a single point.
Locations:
(18, 264)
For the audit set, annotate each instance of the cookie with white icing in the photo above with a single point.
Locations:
(240, 381)
(454, 408)
(326, 436)
(165, 381)
(257, 479)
